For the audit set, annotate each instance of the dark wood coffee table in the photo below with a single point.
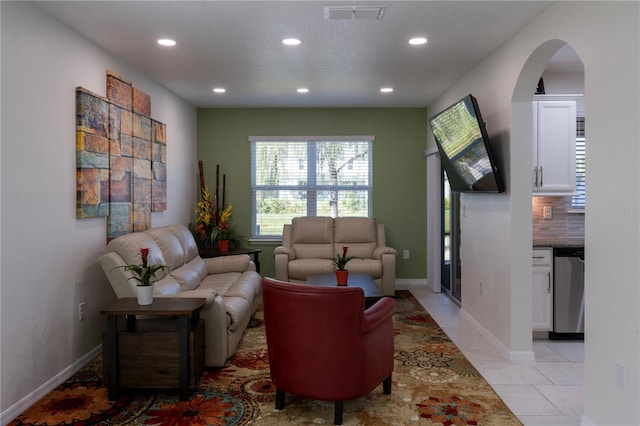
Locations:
(371, 291)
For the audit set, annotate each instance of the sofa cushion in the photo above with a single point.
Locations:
(190, 275)
(371, 267)
(312, 237)
(167, 286)
(312, 230)
(231, 263)
(220, 282)
(355, 230)
(172, 248)
(185, 237)
(244, 287)
(357, 233)
(360, 250)
(204, 293)
(313, 251)
(299, 269)
(128, 247)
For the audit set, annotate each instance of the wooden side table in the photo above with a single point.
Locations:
(137, 336)
(204, 253)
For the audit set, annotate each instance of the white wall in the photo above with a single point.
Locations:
(496, 231)
(49, 258)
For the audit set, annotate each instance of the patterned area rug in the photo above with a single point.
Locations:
(433, 384)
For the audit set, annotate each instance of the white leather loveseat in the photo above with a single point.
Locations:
(229, 283)
(310, 243)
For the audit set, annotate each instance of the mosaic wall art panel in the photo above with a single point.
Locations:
(121, 157)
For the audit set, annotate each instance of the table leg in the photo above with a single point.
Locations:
(183, 337)
(112, 356)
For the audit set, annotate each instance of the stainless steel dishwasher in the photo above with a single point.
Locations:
(568, 293)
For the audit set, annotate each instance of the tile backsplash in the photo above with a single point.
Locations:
(563, 226)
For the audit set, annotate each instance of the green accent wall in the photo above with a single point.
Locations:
(399, 165)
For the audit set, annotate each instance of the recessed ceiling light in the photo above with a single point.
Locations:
(291, 41)
(219, 90)
(166, 42)
(303, 90)
(418, 41)
(386, 89)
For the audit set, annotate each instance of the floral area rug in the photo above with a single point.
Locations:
(433, 384)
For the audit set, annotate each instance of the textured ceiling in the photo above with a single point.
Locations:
(344, 63)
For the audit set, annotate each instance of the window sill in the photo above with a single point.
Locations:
(265, 241)
(575, 211)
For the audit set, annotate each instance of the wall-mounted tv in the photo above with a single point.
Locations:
(465, 148)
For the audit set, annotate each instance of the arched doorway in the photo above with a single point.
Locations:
(562, 57)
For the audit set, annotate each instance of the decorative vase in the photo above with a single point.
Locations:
(145, 294)
(342, 277)
(223, 246)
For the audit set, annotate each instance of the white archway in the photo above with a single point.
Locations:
(521, 164)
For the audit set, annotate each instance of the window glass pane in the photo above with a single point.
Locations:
(578, 200)
(342, 163)
(275, 208)
(280, 163)
(343, 203)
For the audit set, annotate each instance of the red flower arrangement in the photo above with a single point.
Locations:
(143, 273)
(341, 261)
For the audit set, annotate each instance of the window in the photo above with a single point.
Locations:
(578, 200)
(324, 176)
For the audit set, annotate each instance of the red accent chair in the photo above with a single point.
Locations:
(323, 344)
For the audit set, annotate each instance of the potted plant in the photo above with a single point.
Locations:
(340, 262)
(204, 228)
(212, 227)
(144, 274)
(222, 232)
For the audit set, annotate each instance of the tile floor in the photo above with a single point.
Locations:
(545, 393)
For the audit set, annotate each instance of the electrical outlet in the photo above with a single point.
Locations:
(81, 312)
(481, 287)
(405, 254)
(547, 212)
(619, 376)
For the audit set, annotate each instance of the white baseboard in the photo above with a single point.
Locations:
(410, 281)
(506, 353)
(586, 421)
(21, 406)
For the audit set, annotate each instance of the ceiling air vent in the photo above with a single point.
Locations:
(353, 12)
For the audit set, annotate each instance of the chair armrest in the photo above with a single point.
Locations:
(377, 314)
(231, 263)
(289, 251)
(281, 257)
(379, 251)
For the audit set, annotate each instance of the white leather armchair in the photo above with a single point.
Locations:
(310, 243)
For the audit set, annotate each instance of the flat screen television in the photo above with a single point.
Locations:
(465, 148)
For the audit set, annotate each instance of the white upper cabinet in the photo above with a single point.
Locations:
(554, 147)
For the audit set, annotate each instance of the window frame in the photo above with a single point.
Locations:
(578, 201)
(311, 187)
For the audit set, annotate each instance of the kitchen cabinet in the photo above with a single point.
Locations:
(542, 295)
(554, 147)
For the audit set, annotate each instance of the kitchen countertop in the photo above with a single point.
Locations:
(558, 243)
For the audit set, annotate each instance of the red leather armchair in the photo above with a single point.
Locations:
(323, 344)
